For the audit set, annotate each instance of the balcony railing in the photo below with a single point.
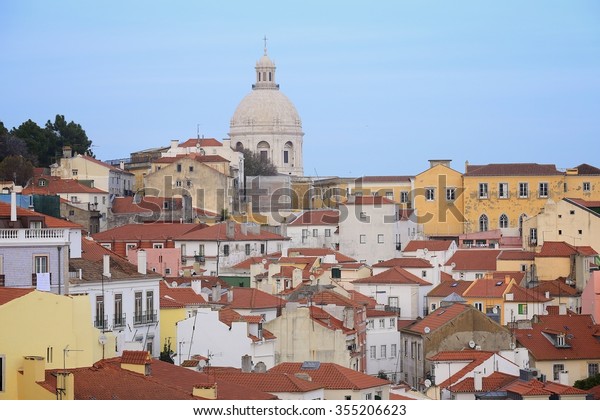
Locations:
(101, 322)
(145, 317)
(119, 321)
(45, 235)
(2, 280)
(34, 279)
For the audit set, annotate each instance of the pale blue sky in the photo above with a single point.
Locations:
(381, 86)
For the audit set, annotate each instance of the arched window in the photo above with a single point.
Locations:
(483, 223)
(239, 146)
(288, 153)
(522, 217)
(263, 150)
(503, 221)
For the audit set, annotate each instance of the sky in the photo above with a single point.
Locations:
(381, 86)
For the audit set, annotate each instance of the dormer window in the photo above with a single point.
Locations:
(560, 340)
(42, 183)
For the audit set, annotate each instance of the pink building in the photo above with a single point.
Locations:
(165, 261)
(590, 297)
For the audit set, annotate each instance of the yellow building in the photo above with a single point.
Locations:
(328, 192)
(395, 188)
(501, 196)
(582, 182)
(437, 200)
(41, 325)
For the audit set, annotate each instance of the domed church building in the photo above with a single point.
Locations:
(267, 122)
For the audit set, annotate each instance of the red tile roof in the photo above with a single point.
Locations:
(585, 169)
(125, 205)
(515, 255)
(493, 382)
(325, 319)
(218, 232)
(512, 169)
(135, 357)
(203, 142)
(227, 316)
(332, 376)
(538, 388)
(8, 294)
(250, 298)
(562, 249)
(326, 297)
(383, 178)
(474, 259)
(270, 381)
(56, 185)
(51, 222)
(362, 299)
(473, 358)
(557, 287)
(439, 317)
(147, 231)
(584, 203)
(317, 217)
(486, 288)
(375, 313)
(579, 333)
(178, 297)
(446, 288)
(430, 245)
(405, 263)
(394, 275)
(521, 294)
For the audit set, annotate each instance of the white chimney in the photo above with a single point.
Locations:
(563, 377)
(13, 206)
(478, 381)
(141, 261)
(106, 265)
(174, 144)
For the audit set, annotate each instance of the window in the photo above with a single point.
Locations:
(382, 323)
(191, 169)
(404, 196)
(393, 350)
(412, 350)
(543, 189)
(533, 236)
(327, 233)
(393, 301)
(405, 347)
(383, 351)
(285, 156)
(483, 190)
(150, 306)
(166, 205)
(390, 195)
(418, 351)
(557, 369)
(40, 263)
(179, 167)
(372, 352)
(262, 248)
(119, 318)
(478, 276)
(74, 199)
(483, 223)
(503, 221)
(226, 250)
(371, 324)
(523, 190)
(137, 316)
(304, 233)
(503, 190)
(592, 369)
(363, 215)
(188, 183)
(586, 187)
(74, 172)
(369, 396)
(363, 239)
(429, 194)
(167, 271)
(478, 306)
(315, 233)
(450, 194)
(178, 183)
(380, 238)
(247, 249)
(157, 246)
(392, 322)
(522, 309)
(264, 156)
(100, 312)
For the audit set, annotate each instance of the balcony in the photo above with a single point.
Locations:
(145, 317)
(45, 236)
(119, 321)
(101, 322)
(2, 280)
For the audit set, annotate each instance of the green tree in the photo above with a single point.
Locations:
(587, 383)
(39, 141)
(255, 164)
(69, 134)
(17, 169)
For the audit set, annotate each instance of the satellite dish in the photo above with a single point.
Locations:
(495, 309)
(425, 250)
(427, 383)
(264, 261)
(102, 339)
(472, 344)
(312, 277)
(426, 330)
(453, 265)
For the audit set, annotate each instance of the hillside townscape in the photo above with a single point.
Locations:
(217, 269)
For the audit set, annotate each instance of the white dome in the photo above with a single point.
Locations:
(268, 108)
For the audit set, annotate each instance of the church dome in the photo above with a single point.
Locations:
(265, 108)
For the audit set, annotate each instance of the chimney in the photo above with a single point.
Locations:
(13, 206)
(142, 261)
(246, 363)
(67, 152)
(563, 377)
(506, 279)
(478, 381)
(216, 292)
(106, 265)
(122, 165)
(284, 251)
(229, 295)
(547, 294)
(230, 229)
(174, 144)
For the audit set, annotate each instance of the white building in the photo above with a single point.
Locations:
(315, 229)
(124, 299)
(383, 343)
(373, 229)
(267, 122)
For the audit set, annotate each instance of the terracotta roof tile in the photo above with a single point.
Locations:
(473, 358)
(474, 259)
(585, 169)
(362, 299)
(446, 288)
(317, 217)
(512, 169)
(405, 262)
(135, 357)
(327, 320)
(326, 297)
(147, 231)
(516, 255)
(179, 297)
(8, 294)
(487, 288)
(270, 381)
(332, 376)
(320, 252)
(579, 333)
(219, 232)
(394, 275)
(103, 164)
(250, 298)
(203, 142)
(50, 222)
(557, 287)
(493, 382)
(56, 185)
(439, 317)
(562, 249)
(430, 245)
(520, 294)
